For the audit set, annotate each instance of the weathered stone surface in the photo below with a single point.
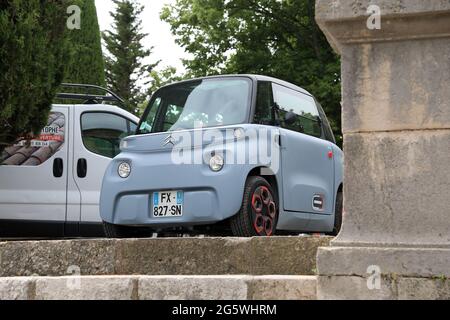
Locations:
(389, 84)
(408, 262)
(86, 288)
(193, 288)
(282, 288)
(401, 288)
(329, 10)
(183, 256)
(187, 256)
(344, 22)
(353, 288)
(396, 187)
(293, 255)
(424, 289)
(218, 287)
(15, 288)
(396, 86)
(396, 123)
(50, 258)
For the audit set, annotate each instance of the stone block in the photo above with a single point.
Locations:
(56, 258)
(86, 288)
(282, 288)
(396, 189)
(424, 289)
(353, 288)
(193, 287)
(392, 262)
(396, 86)
(15, 288)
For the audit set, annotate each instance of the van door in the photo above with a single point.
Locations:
(306, 159)
(33, 182)
(97, 141)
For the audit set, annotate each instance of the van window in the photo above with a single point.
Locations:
(102, 132)
(41, 148)
(302, 105)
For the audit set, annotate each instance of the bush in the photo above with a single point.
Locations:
(32, 49)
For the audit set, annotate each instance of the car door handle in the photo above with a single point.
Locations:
(82, 168)
(58, 168)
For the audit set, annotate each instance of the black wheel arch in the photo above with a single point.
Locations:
(267, 174)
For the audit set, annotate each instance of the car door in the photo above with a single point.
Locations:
(33, 181)
(96, 143)
(306, 158)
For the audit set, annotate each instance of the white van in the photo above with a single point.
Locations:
(50, 187)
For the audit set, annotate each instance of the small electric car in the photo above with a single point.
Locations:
(246, 155)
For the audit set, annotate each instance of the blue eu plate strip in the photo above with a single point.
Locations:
(179, 197)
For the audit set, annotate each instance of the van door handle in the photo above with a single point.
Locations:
(82, 168)
(58, 168)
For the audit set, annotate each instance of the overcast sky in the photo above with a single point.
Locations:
(160, 37)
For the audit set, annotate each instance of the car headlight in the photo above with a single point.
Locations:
(216, 163)
(124, 170)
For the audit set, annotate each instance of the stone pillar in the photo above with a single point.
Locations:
(396, 124)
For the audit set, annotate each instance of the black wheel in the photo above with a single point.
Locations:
(258, 215)
(118, 232)
(338, 214)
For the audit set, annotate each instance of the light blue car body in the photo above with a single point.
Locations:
(309, 167)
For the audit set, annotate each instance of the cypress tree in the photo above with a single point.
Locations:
(85, 64)
(32, 48)
(124, 66)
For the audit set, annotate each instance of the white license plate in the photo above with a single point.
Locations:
(168, 204)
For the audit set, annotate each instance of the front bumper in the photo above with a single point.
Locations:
(209, 196)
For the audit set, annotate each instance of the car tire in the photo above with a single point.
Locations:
(258, 215)
(114, 231)
(338, 214)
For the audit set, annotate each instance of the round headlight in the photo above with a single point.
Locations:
(124, 170)
(216, 163)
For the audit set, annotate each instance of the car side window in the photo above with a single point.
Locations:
(329, 135)
(302, 106)
(264, 104)
(102, 132)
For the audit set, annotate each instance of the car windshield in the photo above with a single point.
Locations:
(203, 103)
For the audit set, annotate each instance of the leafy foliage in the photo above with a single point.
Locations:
(85, 64)
(32, 52)
(278, 38)
(163, 77)
(124, 61)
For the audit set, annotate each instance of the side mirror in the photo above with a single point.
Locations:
(290, 118)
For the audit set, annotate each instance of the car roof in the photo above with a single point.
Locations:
(254, 77)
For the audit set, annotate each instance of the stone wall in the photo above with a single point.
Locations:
(396, 125)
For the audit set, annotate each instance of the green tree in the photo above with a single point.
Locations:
(159, 78)
(85, 63)
(270, 37)
(163, 77)
(125, 69)
(32, 49)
